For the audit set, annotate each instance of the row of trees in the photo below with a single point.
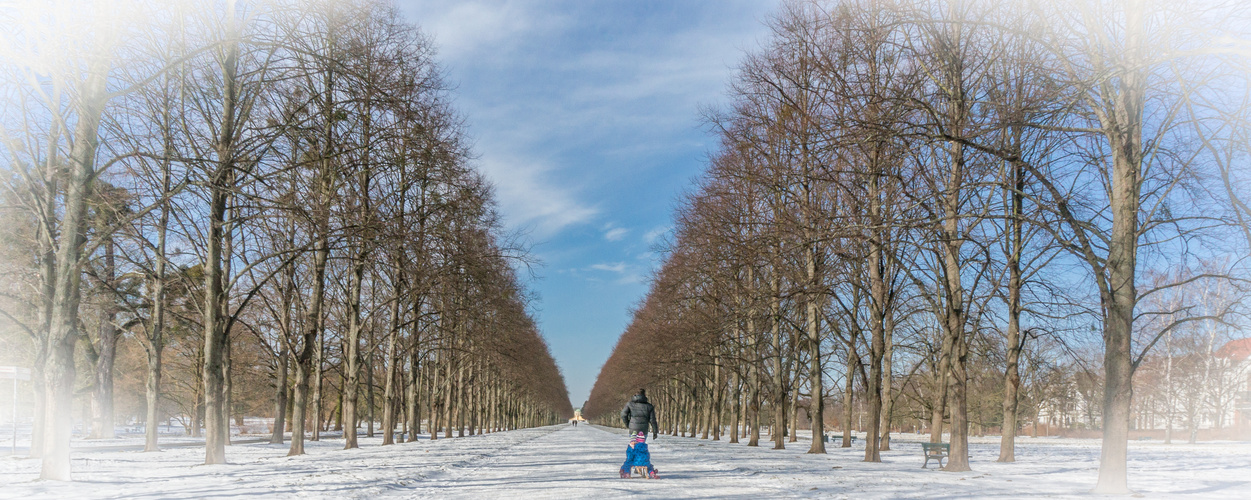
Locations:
(283, 178)
(927, 199)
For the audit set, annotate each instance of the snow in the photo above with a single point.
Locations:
(131, 437)
(581, 462)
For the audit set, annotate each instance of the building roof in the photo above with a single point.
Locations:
(1237, 350)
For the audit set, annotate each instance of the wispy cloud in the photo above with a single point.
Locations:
(481, 43)
(474, 28)
(618, 267)
(530, 198)
(627, 274)
(630, 279)
(651, 237)
(614, 233)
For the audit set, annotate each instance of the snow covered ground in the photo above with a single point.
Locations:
(581, 462)
(131, 438)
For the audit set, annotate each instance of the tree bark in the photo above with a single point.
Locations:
(940, 379)
(1011, 376)
(816, 409)
(877, 342)
(888, 398)
(308, 359)
(390, 365)
(217, 424)
(778, 430)
(106, 346)
(276, 434)
(154, 333)
(58, 370)
(351, 362)
(849, 389)
(1123, 129)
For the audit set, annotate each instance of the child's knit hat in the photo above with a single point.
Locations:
(639, 437)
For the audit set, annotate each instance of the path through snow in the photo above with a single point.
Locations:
(581, 462)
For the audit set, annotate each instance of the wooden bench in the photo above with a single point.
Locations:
(839, 437)
(935, 451)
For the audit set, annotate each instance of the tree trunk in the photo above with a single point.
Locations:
(155, 331)
(308, 359)
(753, 401)
(46, 233)
(214, 332)
(877, 343)
(414, 392)
(319, 370)
(958, 461)
(940, 403)
(888, 399)
(737, 410)
(718, 396)
(197, 418)
(1120, 295)
(106, 350)
(435, 398)
(460, 400)
(352, 356)
(58, 369)
(280, 398)
(816, 409)
(217, 426)
(1011, 376)
(778, 430)
(793, 435)
(448, 393)
(754, 378)
(389, 364)
(849, 389)
(228, 390)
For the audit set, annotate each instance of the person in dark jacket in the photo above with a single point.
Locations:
(638, 414)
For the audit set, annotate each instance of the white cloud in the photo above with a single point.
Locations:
(529, 198)
(477, 40)
(615, 233)
(618, 267)
(467, 28)
(627, 274)
(654, 235)
(629, 279)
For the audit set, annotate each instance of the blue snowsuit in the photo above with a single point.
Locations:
(637, 456)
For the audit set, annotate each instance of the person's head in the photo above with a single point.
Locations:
(642, 392)
(640, 437)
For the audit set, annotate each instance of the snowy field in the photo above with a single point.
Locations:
(581, 462)
(131, 438)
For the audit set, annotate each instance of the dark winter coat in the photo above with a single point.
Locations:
(638, 414)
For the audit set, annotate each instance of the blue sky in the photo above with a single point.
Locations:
(585, 115)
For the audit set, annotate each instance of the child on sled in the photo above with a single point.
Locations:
(638, 456)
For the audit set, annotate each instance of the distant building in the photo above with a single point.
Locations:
(577, 416)
(1238, 354)
(1192, 390)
